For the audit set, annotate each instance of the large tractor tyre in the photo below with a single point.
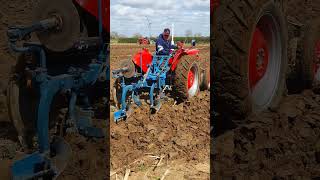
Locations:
(23, 101)
(187, 78)
(299, 15)
(205, 75)
(311, 55)
(294, 81)
(251, 38)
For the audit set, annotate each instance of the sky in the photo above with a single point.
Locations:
(129, 17)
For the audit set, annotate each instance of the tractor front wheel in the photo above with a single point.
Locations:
(187, 78)
(205, 75)
(311, 55)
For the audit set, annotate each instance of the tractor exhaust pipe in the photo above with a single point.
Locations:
(172, 37)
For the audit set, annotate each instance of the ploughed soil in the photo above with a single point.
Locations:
(89, 159)
(283, 144)
(173, 143)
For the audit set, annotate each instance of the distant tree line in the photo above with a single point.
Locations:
(189, 36)
(184, 39)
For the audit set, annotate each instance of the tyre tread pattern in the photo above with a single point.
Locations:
(180, 83)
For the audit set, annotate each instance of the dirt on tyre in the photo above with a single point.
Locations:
(311, 55)
(187, 78)
(251, 38)
(205, 75)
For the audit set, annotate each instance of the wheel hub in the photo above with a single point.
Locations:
(260, 59)
(190, 79)
(259, 56)
(265, 61)
(193, 80)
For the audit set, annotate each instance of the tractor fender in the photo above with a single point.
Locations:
(91, 6)
(145, 56)
(192, 51)
(183, 52)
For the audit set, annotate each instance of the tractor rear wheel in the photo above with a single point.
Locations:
(251, 38)
(311, 55)
(187, 78)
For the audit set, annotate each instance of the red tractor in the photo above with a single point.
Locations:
(178, 72)
(143, 41)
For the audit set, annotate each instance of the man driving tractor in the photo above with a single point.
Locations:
(163, 44)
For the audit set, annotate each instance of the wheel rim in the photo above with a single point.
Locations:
(316, 62)
(264, 62)
(193, 80)
(190, 79)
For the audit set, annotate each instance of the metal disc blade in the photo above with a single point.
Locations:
(63, 37)
(127, 63)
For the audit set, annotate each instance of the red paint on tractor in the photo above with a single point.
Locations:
(259, 57)
(174, 61)
(143, 41)
(91, 6)
(192, 51)
(190, 79)
(181, 52)
(215, 3)
(146, 59)
(316, 61)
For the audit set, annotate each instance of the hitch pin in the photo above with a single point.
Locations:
(165, 88)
